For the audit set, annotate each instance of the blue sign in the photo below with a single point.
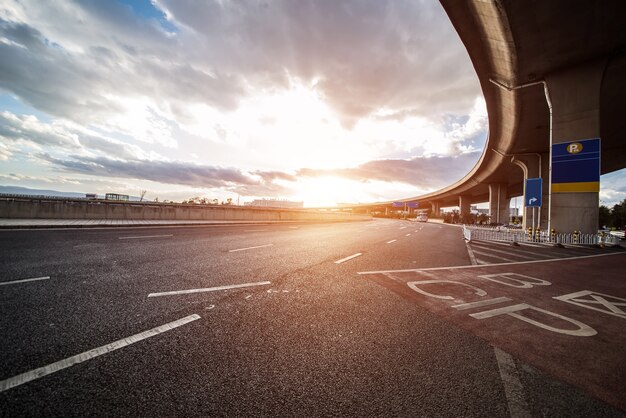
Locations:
(532, 196)
(413, 205)
(576, 166)
(398, 204)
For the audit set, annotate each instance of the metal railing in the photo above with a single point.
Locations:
(517, 235)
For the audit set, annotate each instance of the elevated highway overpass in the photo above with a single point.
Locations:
(551, 72)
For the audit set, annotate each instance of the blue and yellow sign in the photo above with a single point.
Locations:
(576, 166)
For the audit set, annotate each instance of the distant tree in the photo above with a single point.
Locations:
(619, 214)
(142, 193)
(605, 218)
(156, 199)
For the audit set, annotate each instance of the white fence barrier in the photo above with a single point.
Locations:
(517, 235)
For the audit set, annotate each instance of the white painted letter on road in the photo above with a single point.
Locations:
(596, 301)
(414, 286)
(520, 281)
(583, 330)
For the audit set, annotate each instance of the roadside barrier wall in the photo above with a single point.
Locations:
(25, 208)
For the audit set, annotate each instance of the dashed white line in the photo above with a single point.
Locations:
(250, 248)
(408, 235)
(20, 379)
(207, 289)
(393, 240)
(343, 260)
(403, 227)
(147, 236)
(34, 279)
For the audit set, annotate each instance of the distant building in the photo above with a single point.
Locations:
(275, 203)
(115, 196)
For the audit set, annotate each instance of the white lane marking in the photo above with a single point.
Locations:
(393, 240)
(472, 257)
(480, 303)
(408, 235)
(404, 227)
(294, 227)
(513, 388)
(34, 279)
(250, 248)
(348, 258)
(207, 289)
(490, 265)
(147, 236)
(517, 253)
(20, 379)
(497, 257)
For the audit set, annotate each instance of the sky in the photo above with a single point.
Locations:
(320, 101)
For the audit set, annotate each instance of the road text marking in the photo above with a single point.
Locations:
(208, 289)
(250, 248)
(147, 236)
(20, 379)
(24, 280)
(348, 258)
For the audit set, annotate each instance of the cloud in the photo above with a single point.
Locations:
(61, 135)
(362, 55)
(171, 172)
(425, 172)
(29, 128)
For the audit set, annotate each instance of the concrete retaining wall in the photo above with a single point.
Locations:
(25, 208)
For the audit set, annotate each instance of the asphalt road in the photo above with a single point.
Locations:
(97, 332)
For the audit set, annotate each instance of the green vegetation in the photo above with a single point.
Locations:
(614, 217)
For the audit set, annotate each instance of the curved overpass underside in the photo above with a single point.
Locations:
(551, 72)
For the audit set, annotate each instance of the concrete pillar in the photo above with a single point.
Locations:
(499, 203)
(575, 96)
(535, 166)
(435, 209)
(464, 207)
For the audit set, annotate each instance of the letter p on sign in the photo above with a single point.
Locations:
(574, 148)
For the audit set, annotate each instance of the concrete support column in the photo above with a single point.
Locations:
(575, 96)
(535, 166)
(498, 203)
(435, 209)
(464, 207)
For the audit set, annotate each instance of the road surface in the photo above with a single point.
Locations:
(288, 320)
